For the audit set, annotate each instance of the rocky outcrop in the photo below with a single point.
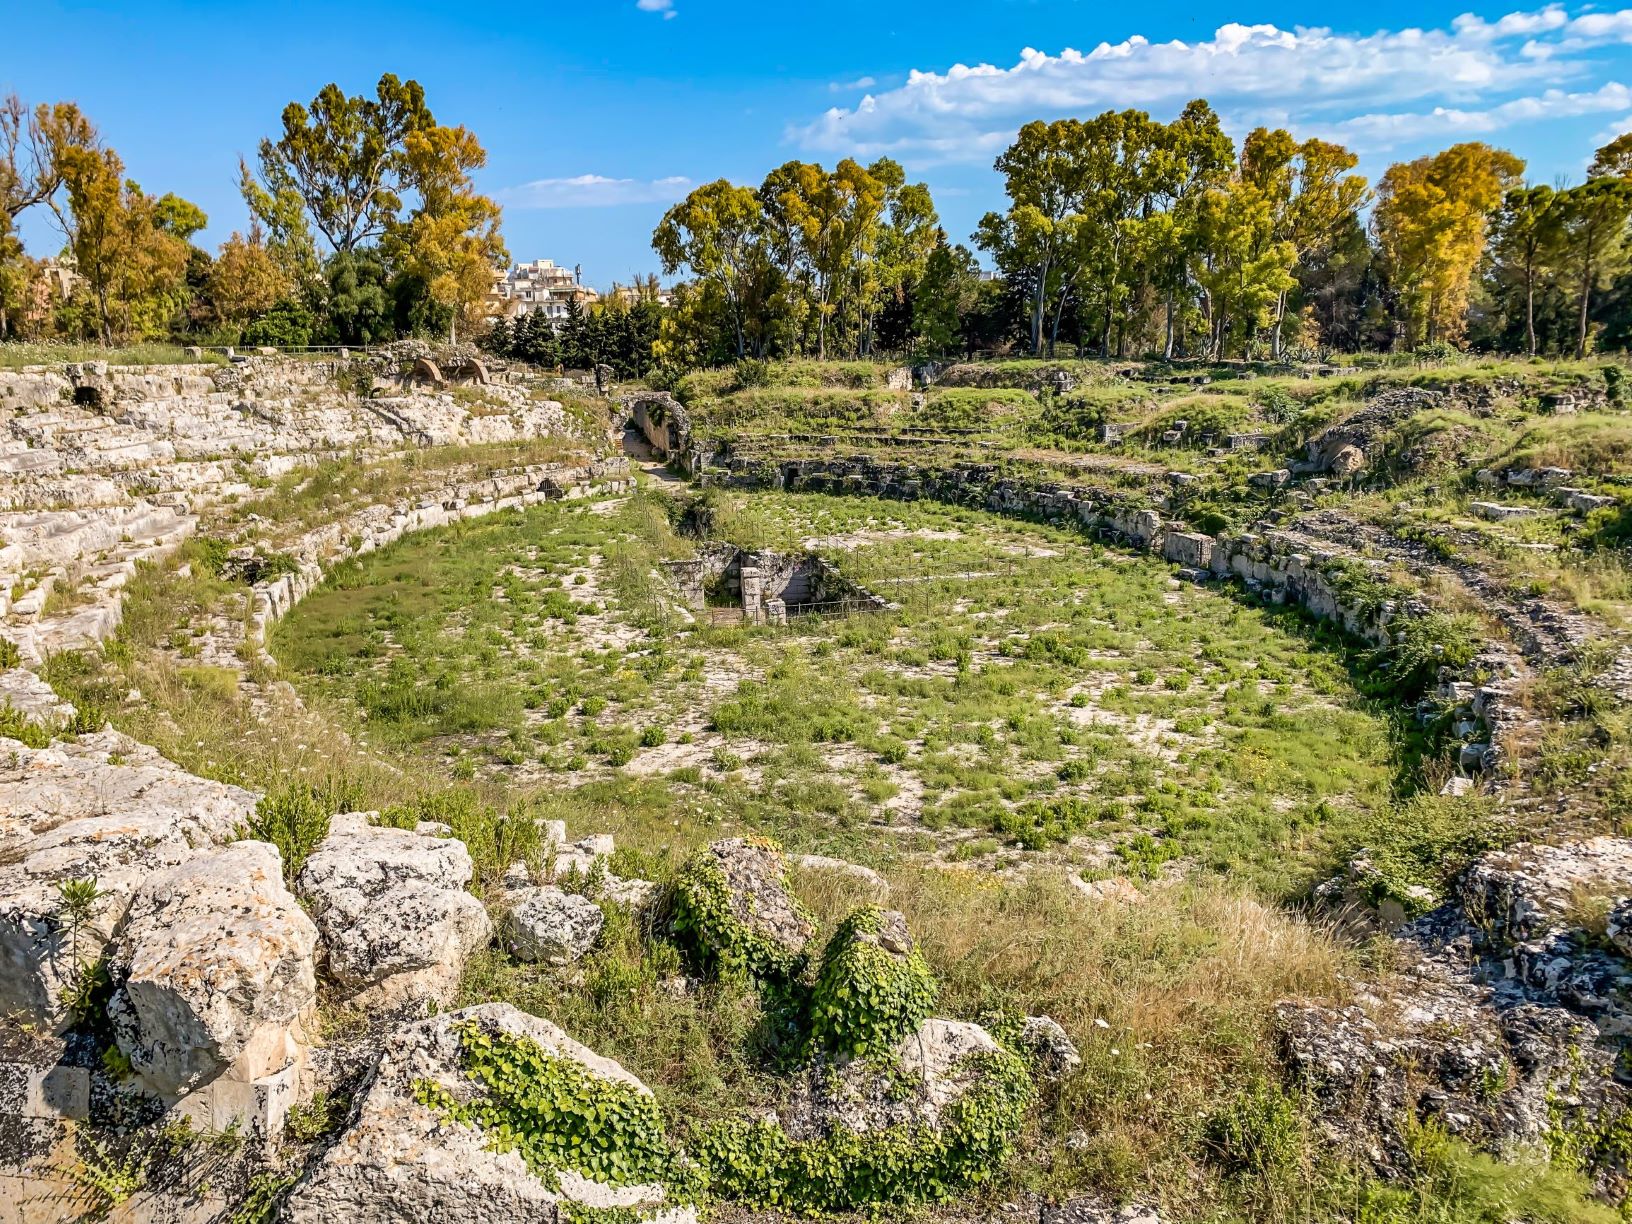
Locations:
(733, 905)
(1505, 1019)
(396, 922)
(1531, 891)
(33, 700)
(551, 926)
(214, 983)
(923, 1076)
(1050, 1049)
(400, 1158)
(93, 818)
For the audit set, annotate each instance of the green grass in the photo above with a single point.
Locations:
(1028, 684)
(16, 354)
(1031, 685)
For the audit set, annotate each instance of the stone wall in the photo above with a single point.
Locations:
(662, 420)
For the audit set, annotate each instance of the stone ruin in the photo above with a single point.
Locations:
(757, 587)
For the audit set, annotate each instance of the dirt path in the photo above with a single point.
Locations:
(642, 456)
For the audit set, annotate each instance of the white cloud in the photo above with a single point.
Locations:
(593, 191)
(1382, 132)
(865, 82)
(1387, 86)
(666, 7)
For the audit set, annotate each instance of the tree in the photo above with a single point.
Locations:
(246, 280)
(1593, 217)
(32, 148)
(944, 297)
(1197, 157)
(1244, 270)
(1430, 224)
(1311, 195)
(357, 305)
(716, 232)
(909, 233)
(1042, 173)
(827, 224)
(277, 206)
(178, 217)
(451, 240)
(1613, 160)
(1524, 236)
(130, 264)
(344, 158)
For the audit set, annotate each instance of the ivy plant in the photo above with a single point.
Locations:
(866, 997)
(706, 922)
(554, 1112)
(757, 1163)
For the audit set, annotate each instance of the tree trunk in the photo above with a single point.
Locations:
(1280, 320)
(1054, 332)
(1586, 297)
(1167, 344)
(1037, 312)
(1530, 303)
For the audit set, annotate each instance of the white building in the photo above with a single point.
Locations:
(540, 287)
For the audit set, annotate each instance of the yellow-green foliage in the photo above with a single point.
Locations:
(554, 1112)
(707, 925)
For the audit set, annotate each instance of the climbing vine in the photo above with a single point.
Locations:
(866, 998)
(720, 942)
(757, 1163)
(555, 1113)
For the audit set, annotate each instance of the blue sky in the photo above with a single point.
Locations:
(596, 114)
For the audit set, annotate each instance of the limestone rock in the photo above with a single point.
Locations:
(1347, 461)
(213, 970)
(631, 893)
(555, 927)
(396, 921)
(927, 1071)
(1438, 1049)
(108, 774)
(401, 1160)
(1528, 891)
(1098, 1211)
(42, 943)
(1619, 926)
(1053, 1053)
(102, 808)
(33, 699)
(753, 875)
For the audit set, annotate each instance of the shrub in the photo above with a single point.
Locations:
(287, 325)
(296, 818)
(1422, 645)
(867, 997)
(10, 656)
(752, 373)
